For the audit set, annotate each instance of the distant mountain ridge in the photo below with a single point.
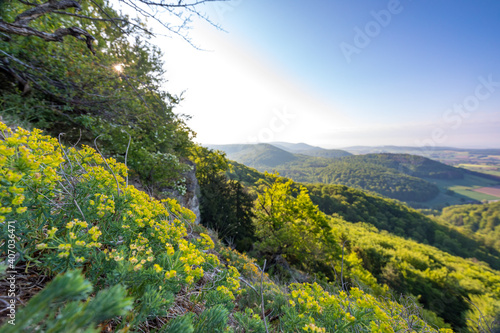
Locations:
(257, 155)
(305, 149)
(416, 150)
(399, 176)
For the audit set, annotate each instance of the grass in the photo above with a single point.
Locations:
(468, 192)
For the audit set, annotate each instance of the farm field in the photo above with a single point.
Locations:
(465, 190)
(483, 168)
(493, 191)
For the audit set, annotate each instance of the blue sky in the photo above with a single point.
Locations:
(341, 73)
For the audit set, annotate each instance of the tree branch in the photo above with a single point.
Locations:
(31, 14)
(56, 36)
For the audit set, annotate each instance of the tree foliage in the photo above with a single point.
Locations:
(115, 94)
(225, 205)
(289, 225)
(385, 214)
(482, 221)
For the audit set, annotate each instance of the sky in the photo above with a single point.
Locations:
(342, 73)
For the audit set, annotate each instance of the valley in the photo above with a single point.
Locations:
(391, 171)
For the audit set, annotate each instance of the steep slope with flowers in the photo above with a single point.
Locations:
(120, 260)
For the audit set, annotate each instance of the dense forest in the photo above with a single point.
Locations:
(93, 158)
(392, 175)
(367, 225)
(390, 215)
(482, 221)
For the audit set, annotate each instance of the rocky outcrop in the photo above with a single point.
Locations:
(189, 199)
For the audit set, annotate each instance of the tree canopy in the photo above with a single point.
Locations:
(115, 92)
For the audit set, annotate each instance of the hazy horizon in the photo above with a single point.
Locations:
(353, 146)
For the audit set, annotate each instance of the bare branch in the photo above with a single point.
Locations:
(262, 295)
(27, 3)
(39, 10)
(126, 155)
(116, 19)
(182, 10)
(56, 36)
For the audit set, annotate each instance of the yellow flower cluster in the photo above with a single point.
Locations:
(170, 274)
(206, 242)
(311, 327)
(226, 292)
(384, 316)
(26, 159)
(247, 266)
(177, 210)
(94, 232)
(301, 295)
(103, 205)
(114, 255)
(72, 239)
(233, 279)
(141, 233)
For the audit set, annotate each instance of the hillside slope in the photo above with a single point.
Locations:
(482, 220)
(377, 174)
(416, 180)
(305, 149)
(120, 260)
(426, 259)
(354, 205)
(261, 155)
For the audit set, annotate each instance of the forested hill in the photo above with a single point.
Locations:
(412, 165)
(397, 245)
(399, 176)
(354, 205)
(385, 214)
(261, 155)
(305, 149)
(480, 220)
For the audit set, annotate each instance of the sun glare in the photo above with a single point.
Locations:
(118, 68)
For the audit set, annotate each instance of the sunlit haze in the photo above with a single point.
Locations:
(342, 73)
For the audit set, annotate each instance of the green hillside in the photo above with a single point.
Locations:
(260, 155)
(381, 174)
(419, 181)
(357, 206)
(354, 205)
(394, 244)
(114, 220)
(482, 220)
(413, 165)
(305, 149)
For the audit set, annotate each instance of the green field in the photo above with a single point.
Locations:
(468, 192)
(463, 189)
(483, 168)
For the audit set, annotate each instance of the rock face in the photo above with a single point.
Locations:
(190, 198)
